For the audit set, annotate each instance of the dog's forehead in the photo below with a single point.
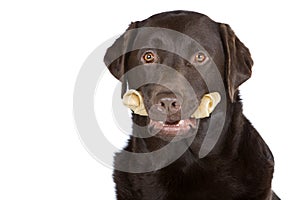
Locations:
(192, 24)
(177, 20)
(164, 39)
(178, 30)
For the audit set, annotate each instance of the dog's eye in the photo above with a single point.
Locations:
(200, 57)
(149, 57)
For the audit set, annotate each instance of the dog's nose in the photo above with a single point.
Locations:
(169, 105)
(166, 107)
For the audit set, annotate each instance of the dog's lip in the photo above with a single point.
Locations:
(182, 126)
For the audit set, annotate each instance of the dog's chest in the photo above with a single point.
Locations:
(193, 183)
(196, 183)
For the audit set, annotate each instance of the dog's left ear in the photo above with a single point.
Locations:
(115, 57)
(238, 60)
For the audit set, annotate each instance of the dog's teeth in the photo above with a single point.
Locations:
(180, 122)
(161, 122)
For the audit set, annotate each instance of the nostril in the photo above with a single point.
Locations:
(171, 105)
(167, 103)
(174, 104)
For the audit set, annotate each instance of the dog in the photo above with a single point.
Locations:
(173, 59)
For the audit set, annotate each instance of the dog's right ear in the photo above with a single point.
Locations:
(115, 55)
(238, 61)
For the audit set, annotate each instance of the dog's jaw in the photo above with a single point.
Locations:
(183, 127)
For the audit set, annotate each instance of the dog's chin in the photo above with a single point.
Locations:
(173, 132)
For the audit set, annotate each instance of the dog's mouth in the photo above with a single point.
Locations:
(175, 128)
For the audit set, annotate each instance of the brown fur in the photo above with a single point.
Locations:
(240, 167)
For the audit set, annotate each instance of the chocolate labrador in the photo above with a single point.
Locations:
(173, 59)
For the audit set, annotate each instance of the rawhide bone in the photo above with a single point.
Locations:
(134, 101)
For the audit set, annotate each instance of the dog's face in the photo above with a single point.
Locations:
(173, 65)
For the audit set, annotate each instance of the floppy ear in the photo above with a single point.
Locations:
(238, 60)
(115, 56)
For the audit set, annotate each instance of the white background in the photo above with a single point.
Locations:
(42, 47)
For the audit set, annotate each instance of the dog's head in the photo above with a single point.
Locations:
(169, 58)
